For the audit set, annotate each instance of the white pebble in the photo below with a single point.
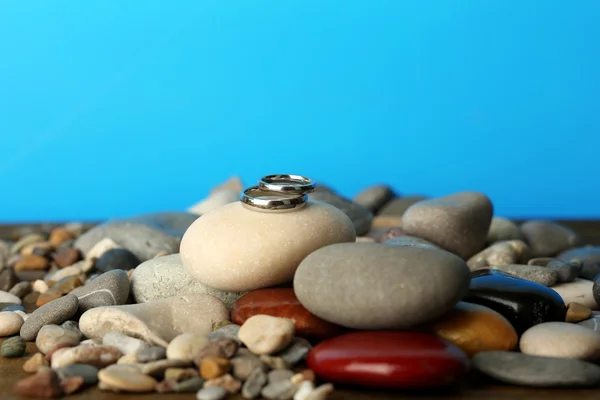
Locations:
(304, 390)
(126, 344)
(40, 286)
(264, 334)
(6, 297)
(212, 393)
(100, 248)
(562, 340)
(321, 393)
(186, 346)
(10, 323)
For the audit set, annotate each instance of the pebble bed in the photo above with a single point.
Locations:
(380, 291)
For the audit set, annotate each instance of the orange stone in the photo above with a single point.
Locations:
(60, 235)
(46, 298)
(32, 262)
(474, 328)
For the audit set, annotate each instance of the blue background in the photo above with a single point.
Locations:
(114, 108)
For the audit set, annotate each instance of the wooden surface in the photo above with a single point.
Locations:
(475, 387)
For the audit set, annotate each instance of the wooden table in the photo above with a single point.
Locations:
(475, 387)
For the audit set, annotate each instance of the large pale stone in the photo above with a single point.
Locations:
(235, 248)
(156, 322)
(562, 340)
(579, 291)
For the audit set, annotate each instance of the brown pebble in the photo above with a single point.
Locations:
(386, 221)
(44, 384)
(577, 312)
(214, 367)
(180, 374)
(32, 263)
(227, 382)
(223, 348)
(34, 363)
(72, 384)
(304, 375)
(59, 235)
(59, 346)
(275, 362)
(127, 381)
(66, 257)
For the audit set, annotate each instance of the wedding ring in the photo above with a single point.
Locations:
(284, 183)
(269, 201)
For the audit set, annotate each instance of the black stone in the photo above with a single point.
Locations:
(589, 256)
(523, 303)
(117, 259)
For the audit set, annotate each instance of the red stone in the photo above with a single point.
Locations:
(283, 303)
(388, 360)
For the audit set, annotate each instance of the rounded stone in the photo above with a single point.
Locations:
(109, 289)
(547, 238)
(388, 360)
(52, 335)
(54, 312)
(127, 381)
(166, 276)
(527, 370)
(579, 291)
(10, 323)
(6, 297)
(117, 259)
(561, 340)
(589, 257)
(542, 275)
(212, 393)
(89, 373)
(458, 223)
(375, 197)
(378, 286)
(474, 328)
(186, 346)
(13, 347)
(361, 217)
(257, 260)
(502, 229)
(399, 205)
(283, 303)
(264, 334)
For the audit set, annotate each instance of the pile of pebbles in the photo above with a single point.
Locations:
(381, 291)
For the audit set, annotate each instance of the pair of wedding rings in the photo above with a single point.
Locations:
(279, 192)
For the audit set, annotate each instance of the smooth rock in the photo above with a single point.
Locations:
(411, 241)
(256, 261)
(89, 373)
(32, 262)
(388, 360)
(264, 334)
(227, 382)
(55, 312)
(295, 352)
(13, 347)
(222, 348)
(500, 253)
(283, 303)
(34, 363)
(282, 390)
(577, 312)
(305, 388)
(361, 217)
(156, 322)
(547, 238)
(244, 366)
(187, 346)
(542, 275)
(66, 257)
(214, 367)
(122, 259)
(474, 328)
(189, 386)
(399, 205)
(26, 240)
(21, 289)
(212, 393)
(502, 229)
(10, 323)
(52, 335)
(561, 340)
(254, 384)
(72, 326)
(375, 197)
(589, 256)
(152, 353)
(99, 356)
(6, 297)
(109, 289)
(378, 286)
(458, 223)
(44, 384)
(127, 381)
(523, 303)
(229, 331)
(280, 375)
(125, 344)
(566, 271)
(527, 370)
(579, 291)
(592, 323)
(164, 277)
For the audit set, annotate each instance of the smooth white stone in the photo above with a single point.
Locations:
(561, 340)
(579, 291)
(6, 297)
(10, 323)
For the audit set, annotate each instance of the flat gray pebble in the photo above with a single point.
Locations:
(152, 353)
(226, 332)
(55, 312)
(361, 217)
(280, 375)
(375, 197)
(526, 370)
(212, 393)
(547, 238)
(21, 289)
(243, 366)
(13, 347)
(89, 373)
(108, 289)
(282, 390)
(254, 384)
(191, 385)
(296, 351)
(589, 256)
(72, 326)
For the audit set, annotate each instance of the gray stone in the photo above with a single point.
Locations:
(565, 271)
(8, 279)
(282, 390)
(21, 289)
(254, 384)
(243, 366)
(166, 276)
(191, 385)
(72, 326)
(360, 216)
(226, 332)
(109, 289)
(377, 286)
(277, 375)
(4, 254)
(592, 323)
(502, 229)
(117, 259)
(296, 351)
(542, 275)
(411, 241)
(458, 223)
(125, 344)
(13, 347)
(375, 197)
(152, 353)
(589, 256)
(145, 235)
(399, 205)
(89, 373)
(526, 370)
(55, 312)
(212, 393)
(547, 238)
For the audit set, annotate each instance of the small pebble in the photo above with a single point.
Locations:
(152, 353)
(227, 382)
(275, 362)
(51, 335)
(229, 331)
(26, 240)
(254, 384)
(13, 347)
(180, 374)
(244, 366)
(21, 289)
(264, 334)
(282, 390)
(296, 351)
(225, 348)
(72, 384)
(60, 235)
(6, 297)
(55, 312)
(186, 346)
(321, 393)
(577, 312)
(89, 373)
(212, 393)
(44, 383)
(10, 323)
(34, 363)
(117, 259)
(304, 375)
(189, 386)
(304, 390)
(547, 238)
(280, 375)
(32, 262)
(128, 359)
(72, 326)
(126, 344)
(561, 340)
(40, 286)
(99, 356)
(66, 257)
(101, 247)
(214, 367)
(127, 381)
(157, 369)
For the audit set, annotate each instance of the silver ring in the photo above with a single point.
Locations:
(269, 201)
(285, 183)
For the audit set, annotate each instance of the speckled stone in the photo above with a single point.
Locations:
(527, 370)
(547, 238)
(542, 275)
(166, 276)
(109, 289)
(54, 312)
(589, 256)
